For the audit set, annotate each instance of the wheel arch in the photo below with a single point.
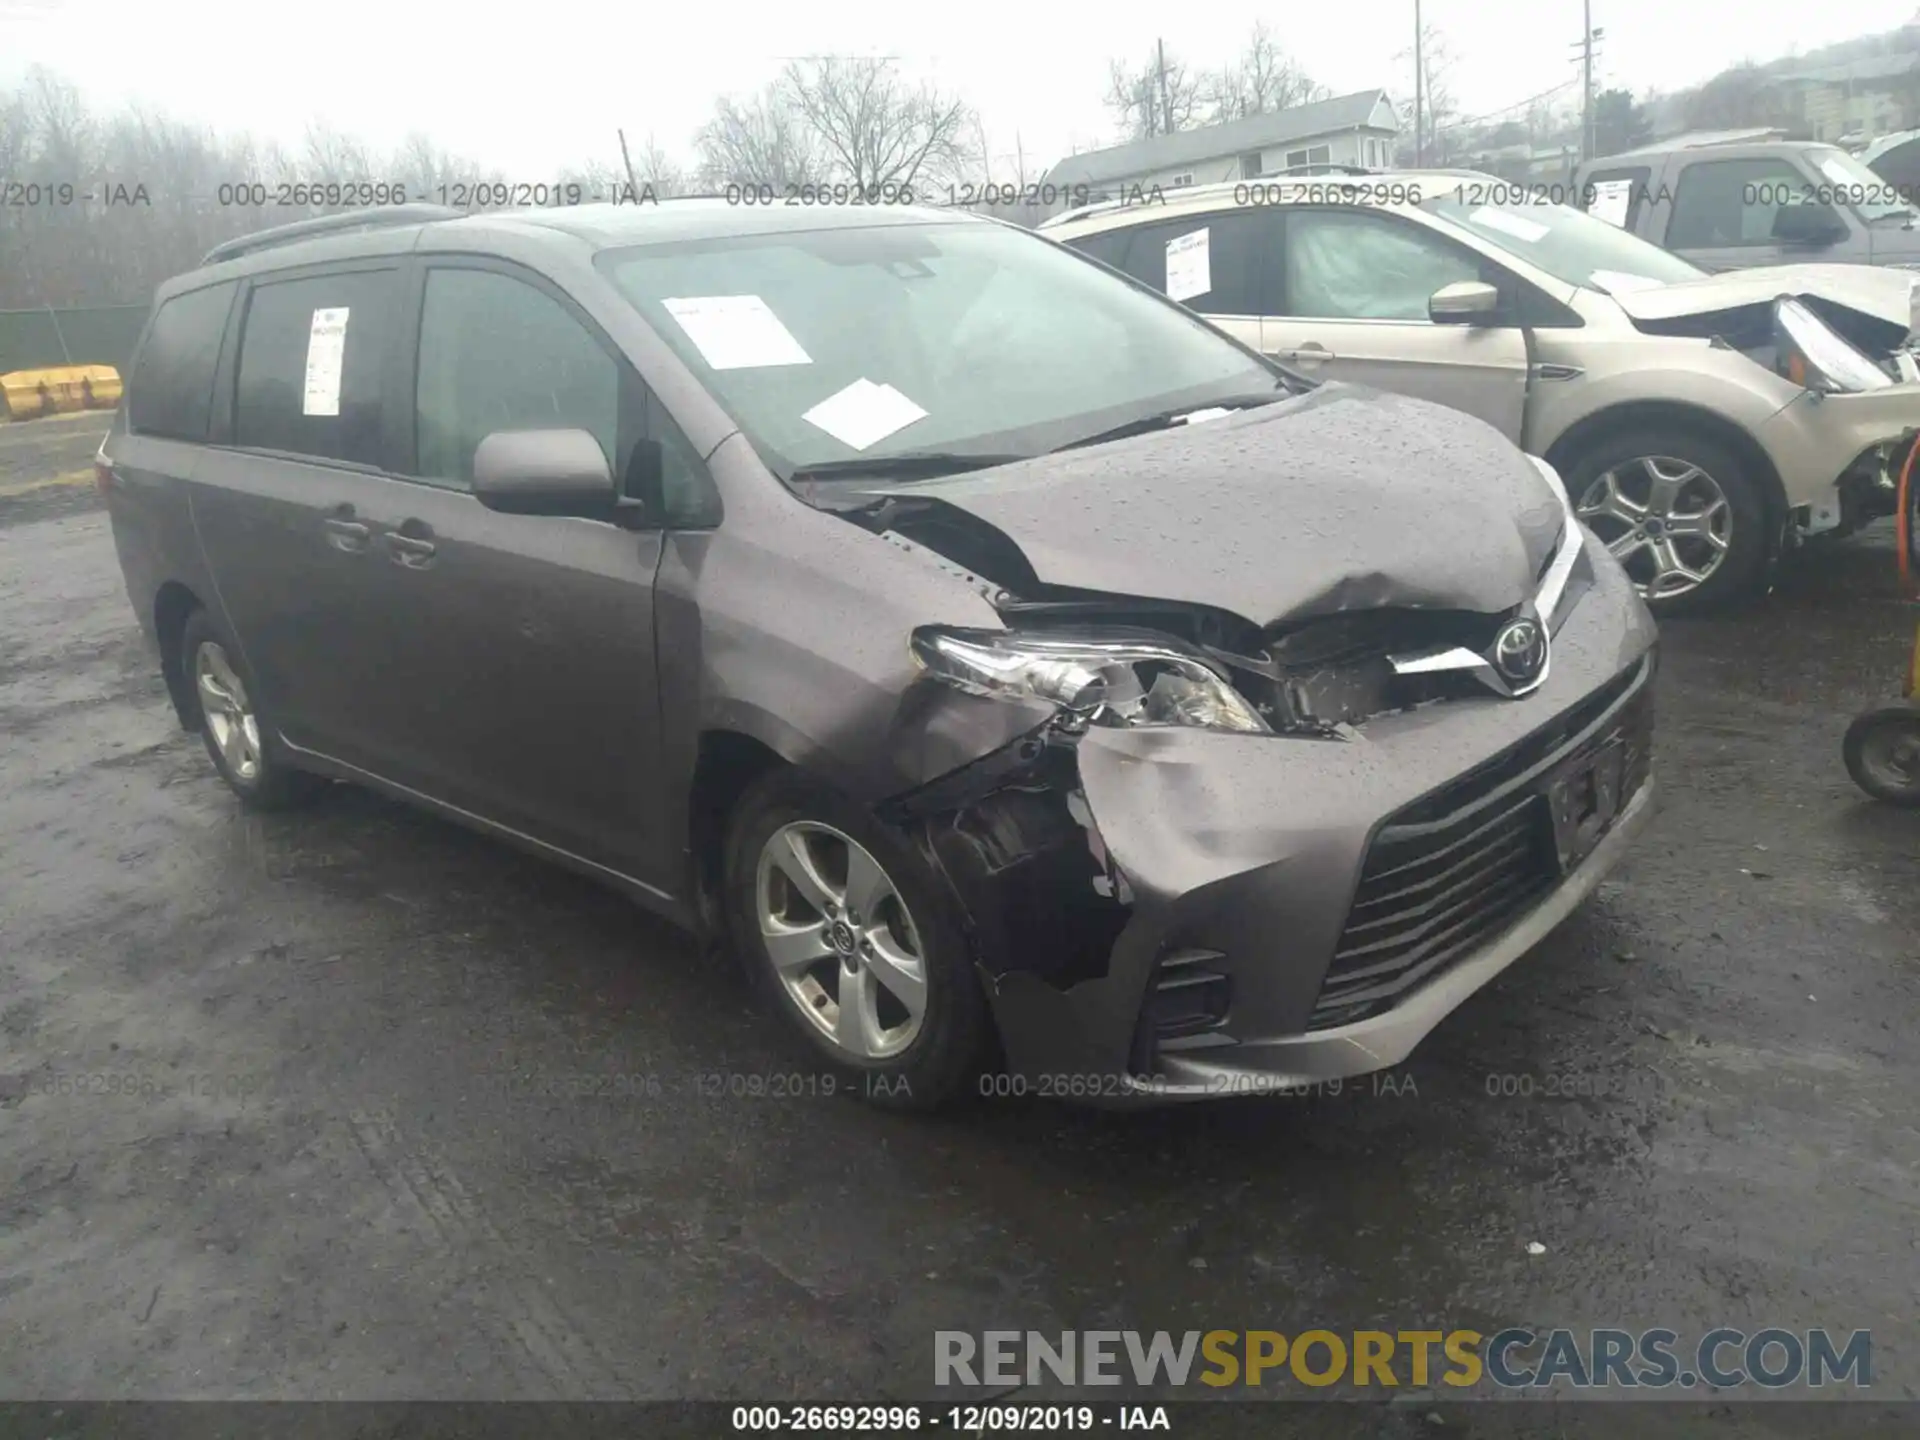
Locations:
(173, 605)
(1565, 451)
(726, 763)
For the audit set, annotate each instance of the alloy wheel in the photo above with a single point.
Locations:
(843, 944)
(1667, 522)
(229, 714)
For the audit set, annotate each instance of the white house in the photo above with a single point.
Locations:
(1357, 129)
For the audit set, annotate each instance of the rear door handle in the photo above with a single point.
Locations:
(344, 533)
(413, 551)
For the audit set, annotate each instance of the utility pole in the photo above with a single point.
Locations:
(1419, 91)
(1166, 105)
(1589, 36)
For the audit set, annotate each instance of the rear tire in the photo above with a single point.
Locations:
(239, 742)
(1681, 511)
(889, 997)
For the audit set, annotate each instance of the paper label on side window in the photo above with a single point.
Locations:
(1189, 266)
(1611, 201)
(326, 349)
(1517, 226)
(864, 414)
(736, 332)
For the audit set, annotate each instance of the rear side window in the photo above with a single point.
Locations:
(1617, 195)
(171, 389)
(312, 360)
(1109, 247)
(1208, 263)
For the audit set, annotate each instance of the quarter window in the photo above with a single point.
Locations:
(1731, 202)
(171, 388)
(311, 362)
(1346, 265)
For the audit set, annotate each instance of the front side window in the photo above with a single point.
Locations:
(497, 353)
(960, 337)
(1732, 202)
(1351, 265)
(171, 388)
(312, 357)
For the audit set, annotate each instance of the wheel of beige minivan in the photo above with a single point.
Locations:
(848, 935)
(238, 742)
(1680, 511)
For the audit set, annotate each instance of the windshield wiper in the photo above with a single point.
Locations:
(914, 465)
(1167, 419)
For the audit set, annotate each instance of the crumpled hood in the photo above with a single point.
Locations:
(1343, 499)
(1873, 290)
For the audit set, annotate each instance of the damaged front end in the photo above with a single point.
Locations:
(1165, 871)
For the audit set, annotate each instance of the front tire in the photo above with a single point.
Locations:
(1882, 751)
(238, 742)
(1683, 514)
(850, 936)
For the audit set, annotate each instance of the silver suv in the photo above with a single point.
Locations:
(1700, 421)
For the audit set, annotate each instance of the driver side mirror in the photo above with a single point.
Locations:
(1810, 224)
(544, 472)
(1465, 302)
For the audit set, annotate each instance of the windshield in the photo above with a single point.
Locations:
(830, 344)
(1568, 244)
(1851, 183)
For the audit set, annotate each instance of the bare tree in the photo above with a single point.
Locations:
(876, 128)
(1264, 78)
(759, 141)
(1152, 98)
(655, 170)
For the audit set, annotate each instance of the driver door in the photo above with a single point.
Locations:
(1348, 292)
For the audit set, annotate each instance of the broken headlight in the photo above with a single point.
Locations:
(1104, 677)
(1812, 354)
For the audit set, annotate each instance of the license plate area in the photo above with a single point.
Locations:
(1583, 799)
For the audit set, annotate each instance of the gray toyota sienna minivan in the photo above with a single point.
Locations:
(984, 645)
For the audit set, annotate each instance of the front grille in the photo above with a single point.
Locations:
(1446, 875)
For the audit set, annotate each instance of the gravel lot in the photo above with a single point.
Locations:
(345, 1117)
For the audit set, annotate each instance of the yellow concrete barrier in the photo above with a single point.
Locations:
(27, 394)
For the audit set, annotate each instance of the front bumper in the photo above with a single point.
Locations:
(1820, 441)
(1230, 869)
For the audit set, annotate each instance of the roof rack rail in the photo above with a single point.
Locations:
(377, 217)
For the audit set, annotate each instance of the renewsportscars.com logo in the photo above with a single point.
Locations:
(1513, 1359)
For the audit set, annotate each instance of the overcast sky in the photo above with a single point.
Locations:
(526, 89)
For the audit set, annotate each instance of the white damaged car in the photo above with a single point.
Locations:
(1703, 423)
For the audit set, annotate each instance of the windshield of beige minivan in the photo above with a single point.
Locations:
(846, 343)
(1568, 244)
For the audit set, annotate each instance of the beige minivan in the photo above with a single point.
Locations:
(1702, 423)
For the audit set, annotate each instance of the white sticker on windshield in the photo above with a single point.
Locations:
(1515, 225)
(864, 414)
(1619, 282)
(326, 349)
(736, 332)
(1189, 266)
(1611, 201)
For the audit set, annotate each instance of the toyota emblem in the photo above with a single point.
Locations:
(1520, 651)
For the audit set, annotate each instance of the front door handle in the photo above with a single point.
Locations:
(344, 532)
(410, 545)
(1311, 352)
